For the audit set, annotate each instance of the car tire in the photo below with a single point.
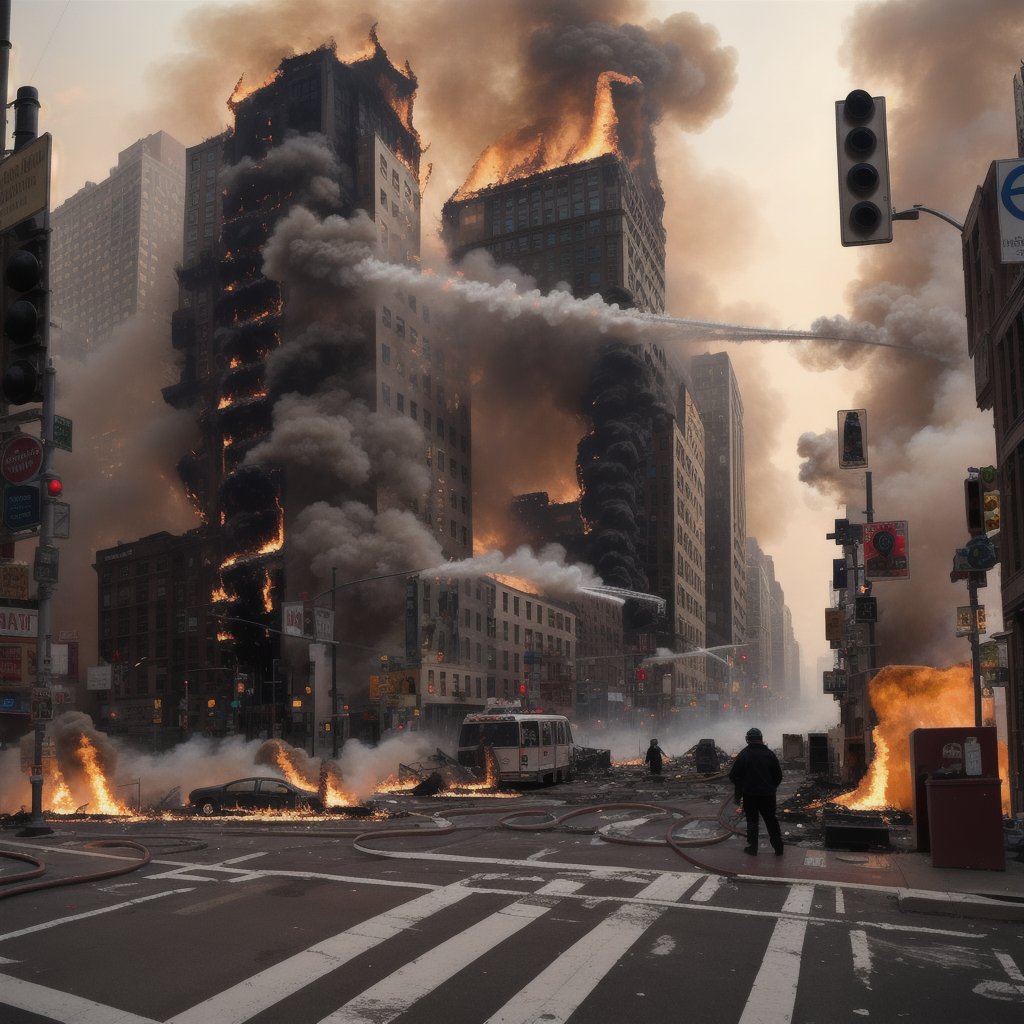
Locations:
(207, 808)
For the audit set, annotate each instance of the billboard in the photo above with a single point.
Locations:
(887, 550)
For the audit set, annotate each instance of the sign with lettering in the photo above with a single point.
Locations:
(18, 621)
(22, 458)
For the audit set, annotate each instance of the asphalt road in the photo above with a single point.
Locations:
(234, 921)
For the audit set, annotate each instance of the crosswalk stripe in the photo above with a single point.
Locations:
(252, 996)
(394, 995)
(667, 887)
(557, 992)
(773, 994)
(711, 885)
(63, 1006)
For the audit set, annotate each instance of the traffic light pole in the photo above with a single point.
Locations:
(37, 825)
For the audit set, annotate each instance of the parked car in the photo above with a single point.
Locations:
(255, 794)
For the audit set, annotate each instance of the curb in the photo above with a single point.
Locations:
(960, 904)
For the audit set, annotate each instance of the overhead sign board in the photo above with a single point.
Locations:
(1010, 204)
(25, 182)
(834, 681)
(834, 624)
(887, 550)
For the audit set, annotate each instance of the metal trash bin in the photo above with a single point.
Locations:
(965, 823)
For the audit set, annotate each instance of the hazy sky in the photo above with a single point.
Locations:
(752, 212)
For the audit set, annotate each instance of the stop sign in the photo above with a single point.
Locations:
(22, 459)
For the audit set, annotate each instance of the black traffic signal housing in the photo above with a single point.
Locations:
(974, 506)
(26, 312)
(839, 574)
(865, 207)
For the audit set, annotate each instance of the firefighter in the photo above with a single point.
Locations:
(755, 775)
(654, 757)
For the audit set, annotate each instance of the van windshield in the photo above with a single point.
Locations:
(497, 734)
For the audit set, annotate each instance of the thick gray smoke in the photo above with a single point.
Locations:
(924, 427)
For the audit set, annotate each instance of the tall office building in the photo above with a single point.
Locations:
(597, 226)
(115, 245)
(591, 224)
(718, 395)
(335, 138)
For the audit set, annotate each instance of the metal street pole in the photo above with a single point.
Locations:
(334, 667)
(972, 597)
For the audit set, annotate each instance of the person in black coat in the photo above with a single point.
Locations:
(654, 757)
(755, 775)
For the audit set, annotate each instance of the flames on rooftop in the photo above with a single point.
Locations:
(543, 147)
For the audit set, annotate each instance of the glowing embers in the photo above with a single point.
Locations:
(542, 148)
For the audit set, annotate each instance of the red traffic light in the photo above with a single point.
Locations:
(522, 689)
(54, 487)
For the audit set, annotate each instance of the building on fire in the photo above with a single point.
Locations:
(336, 138)
(596, 225)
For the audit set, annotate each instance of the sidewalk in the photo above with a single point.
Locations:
(920, 887)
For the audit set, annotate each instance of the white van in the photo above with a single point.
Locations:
(527, 748)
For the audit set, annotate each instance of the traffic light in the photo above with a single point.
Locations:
(865, 208)
(26, 311)
(989, 477)
(839, 573)
(54, 486)
(974, 506)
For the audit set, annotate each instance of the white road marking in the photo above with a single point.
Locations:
(260, 991)
(861, 956)
(668, 887)
(89, 913)
(773, 994)
(62, 1006)
(559, 887)
(840, 901)
(392, 996)
(812, 859)
(248, 856)
(711, 885)
(1011, 969)
(557, 992)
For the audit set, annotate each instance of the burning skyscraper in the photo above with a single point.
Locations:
(580, 205)
(324, 415)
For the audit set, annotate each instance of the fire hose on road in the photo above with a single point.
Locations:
(39, 869)
(680, 845)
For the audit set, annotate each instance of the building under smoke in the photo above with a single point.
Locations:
(596, 226)
(115, 244)
(308, 397)
(766, 673)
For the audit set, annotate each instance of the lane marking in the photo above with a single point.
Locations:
(89, 913)
(668, 887)
(557, 992)
(62, 1006)
(559, 887)
(392, 996)
(711, 885)
(840, 902)
(1011, 969)
(260, 991)
(861, 956)
(773, 994)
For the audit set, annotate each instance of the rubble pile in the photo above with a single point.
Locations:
(435, 774)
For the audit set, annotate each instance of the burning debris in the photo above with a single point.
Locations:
(905, 698)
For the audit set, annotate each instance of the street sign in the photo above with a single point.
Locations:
(61, 520)
(21, 506)
(887, 550)
(1010, 190)
(45, 568)
(25, 182)
(62, 432)
(967, 622)
(834, 682)
(22, 458)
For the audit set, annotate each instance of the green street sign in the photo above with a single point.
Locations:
(62, 432)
